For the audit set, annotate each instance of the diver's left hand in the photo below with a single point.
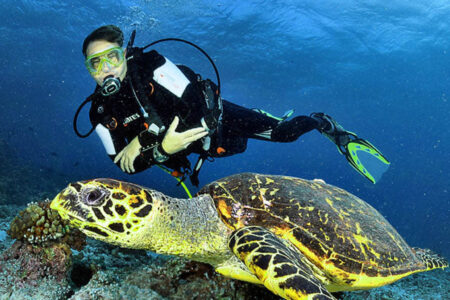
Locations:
(128, 155)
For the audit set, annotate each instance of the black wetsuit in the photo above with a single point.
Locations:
(119, 118)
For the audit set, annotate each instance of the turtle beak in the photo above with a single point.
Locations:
(62, 202)
(57, 202)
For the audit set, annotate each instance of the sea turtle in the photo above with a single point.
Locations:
(301, 239)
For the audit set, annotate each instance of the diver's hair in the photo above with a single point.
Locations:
(110, 33)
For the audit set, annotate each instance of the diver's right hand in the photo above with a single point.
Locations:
(174, 142)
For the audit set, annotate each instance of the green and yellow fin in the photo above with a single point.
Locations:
(280, 267)
(362, 155)
(366, 159)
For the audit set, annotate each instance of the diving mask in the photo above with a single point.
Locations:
(113, 57)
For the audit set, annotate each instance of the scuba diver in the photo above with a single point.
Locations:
(148, 111)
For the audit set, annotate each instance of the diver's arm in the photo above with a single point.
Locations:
(173, 141)
(128, 155)
(114, 144)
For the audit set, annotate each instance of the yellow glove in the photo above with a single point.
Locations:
(174, 142)
(128, 155)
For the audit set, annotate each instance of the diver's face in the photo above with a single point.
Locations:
(106, 61)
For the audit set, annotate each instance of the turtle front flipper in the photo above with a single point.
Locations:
(282, 269)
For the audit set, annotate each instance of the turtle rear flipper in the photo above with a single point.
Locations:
(280, 268)
(430, 259)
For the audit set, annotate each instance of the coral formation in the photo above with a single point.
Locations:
(38, 224)
(32, 271)
(130, 274)
(37, 262)
(48, 288)
(40, 257)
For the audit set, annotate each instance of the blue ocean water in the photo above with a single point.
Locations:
(380, 69)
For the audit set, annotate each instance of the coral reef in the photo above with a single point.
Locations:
(38, 224)
(48, 288)
(131, 274)
(40, 258)
(7, 213)
(37, 262)
(34, 272)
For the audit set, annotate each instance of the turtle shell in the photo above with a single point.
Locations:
(338, 232)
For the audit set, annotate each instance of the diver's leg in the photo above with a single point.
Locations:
(289, 131)
(241, 121)
(248, 123)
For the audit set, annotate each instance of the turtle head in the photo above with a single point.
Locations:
(109, 210)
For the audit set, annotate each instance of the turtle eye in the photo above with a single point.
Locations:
(94, 197)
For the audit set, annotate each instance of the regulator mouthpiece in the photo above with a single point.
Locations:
(111, 85)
